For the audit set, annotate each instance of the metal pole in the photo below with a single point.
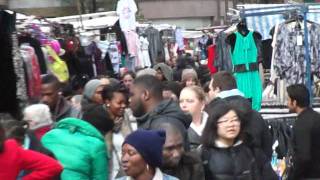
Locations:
(307, 54)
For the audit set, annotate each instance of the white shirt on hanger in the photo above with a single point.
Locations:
(126, 10)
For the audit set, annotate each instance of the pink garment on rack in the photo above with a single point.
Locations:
(132, 38)
(33, 71)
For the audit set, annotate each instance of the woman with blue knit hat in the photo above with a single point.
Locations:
(142, 156)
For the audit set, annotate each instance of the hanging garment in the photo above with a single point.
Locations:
(32, 71)
(37, 48)
(222, 58)
(19, 71)
(8, 87)
(155, 44)
(246, 68)
(211, 56)
(179, 39)
(144, 46)
(115, 57)
(57, 66)
(95, 53)
(126, 10)
(132, 38)
(289, 53)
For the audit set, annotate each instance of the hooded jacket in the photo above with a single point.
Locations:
(166, 112)
(80, 148)
(166, 70)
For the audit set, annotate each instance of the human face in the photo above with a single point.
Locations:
(159, 75)
(97, 98)
(136, 101)
(190, 103)
(167, 94)
(213, 92)
(190, 82)
(127, 81)
(173, 150)
(117, 104)
(49, 95)
(132, 162)
(291, 105)
(228, 127)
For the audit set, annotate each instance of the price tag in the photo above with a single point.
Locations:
(299, 40)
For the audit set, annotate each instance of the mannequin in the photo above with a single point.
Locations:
(242, 29)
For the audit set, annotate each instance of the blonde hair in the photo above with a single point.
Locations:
(198, 91)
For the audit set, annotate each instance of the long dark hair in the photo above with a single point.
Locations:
(216, 111)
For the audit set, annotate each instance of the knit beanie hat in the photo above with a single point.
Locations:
(91, 87)
(149, 144)
(187, 73)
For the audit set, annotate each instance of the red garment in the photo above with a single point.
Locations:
(211, 54)
(41, 131)
(14, 159)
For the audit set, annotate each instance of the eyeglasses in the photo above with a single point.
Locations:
(235, 121)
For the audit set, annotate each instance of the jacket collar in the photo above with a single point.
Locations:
(158, 175)
(228, 93)
(220, 144)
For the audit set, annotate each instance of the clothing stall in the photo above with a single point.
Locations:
(274, 111)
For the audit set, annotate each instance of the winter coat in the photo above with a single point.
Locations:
(306, 132)
(189, 168)
(64, 110)
(80, 147)
(167, 111)
(229, 163)
(14, 159)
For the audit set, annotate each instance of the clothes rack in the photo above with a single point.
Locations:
(304, 10)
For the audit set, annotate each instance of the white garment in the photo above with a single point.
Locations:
(179, 39)
(117, 140)
(144, 46)
(103, 46)
(114, 56)
(126, 10)
(158, 175)
(199, 129)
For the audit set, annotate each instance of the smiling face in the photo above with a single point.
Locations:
(132, 162)
(117, 104)
(228, 126)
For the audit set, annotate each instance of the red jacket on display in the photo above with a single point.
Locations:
(211, 55)
(14, 159)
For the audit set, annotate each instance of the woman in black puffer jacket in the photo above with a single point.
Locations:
(225, 156)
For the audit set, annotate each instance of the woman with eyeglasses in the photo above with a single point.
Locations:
(224, 153)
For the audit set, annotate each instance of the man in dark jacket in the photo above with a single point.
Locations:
(59, 107)
(176, 161)
(306, 133)
(151, 110)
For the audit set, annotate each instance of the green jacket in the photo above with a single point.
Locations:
(80, 148)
